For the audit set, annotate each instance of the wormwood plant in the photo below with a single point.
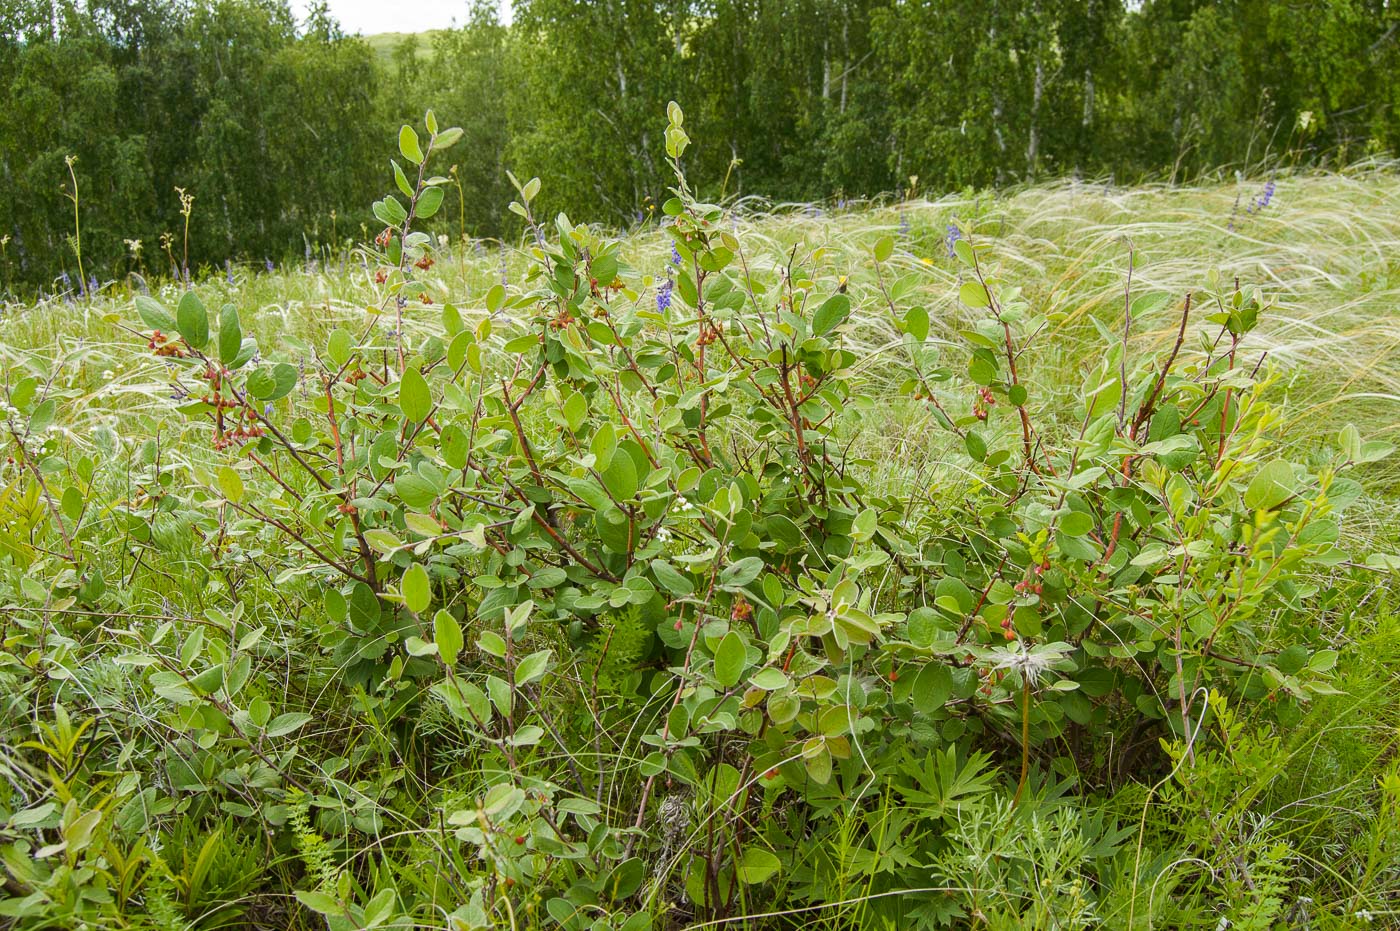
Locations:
(609, 453)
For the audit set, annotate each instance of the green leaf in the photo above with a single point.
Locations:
(1273, 485)
(231, 484)
(757, 864)
(963, 250)
(415, 400)
(271, 384)
(154, 315)
(932, 687)
(408, 145)
(380, 908)
(447, 138)
(339, 345)
(974, 295)
(1076, 524)
(429, 202)
(43, 416)
(192, 320)
(916, 323)
(620, 477)
(501, 695)
(831, 314)
(730, 658)
(320, 902)
(401, 179)
(72, 503)
(604, 444)
(884, 248)
(416, 588)
(230, 334)
(671, 578)
(447, 634)
(286, 723)
(769, 679)
(740, 573)
(532, 667)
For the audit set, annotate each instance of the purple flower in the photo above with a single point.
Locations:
(228, 270)
(1262, 201)
(267, 263)
(663, 297)
(92, 285)
(675, 256)
(903, 223)
(954, 234)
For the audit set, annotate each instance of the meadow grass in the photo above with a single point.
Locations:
(1326, 250)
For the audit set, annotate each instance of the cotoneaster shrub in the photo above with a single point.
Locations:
(634, 493)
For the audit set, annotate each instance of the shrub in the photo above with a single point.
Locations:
(641, 487)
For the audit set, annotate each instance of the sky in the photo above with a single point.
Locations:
(371, 16)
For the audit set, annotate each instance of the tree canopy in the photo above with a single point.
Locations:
(274, 125)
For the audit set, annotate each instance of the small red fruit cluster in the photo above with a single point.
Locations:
(166, 346)
(984, 401)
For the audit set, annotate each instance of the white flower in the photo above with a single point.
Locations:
(442, 240)
(1032, 662)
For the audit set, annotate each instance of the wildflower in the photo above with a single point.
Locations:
(903, 223)
(228, 270)
(1033, 662)
(267, 263)
(663, 297)
(1262, 201)
(954, 234)
(675, 255)
(663, 534)
(442, 240)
